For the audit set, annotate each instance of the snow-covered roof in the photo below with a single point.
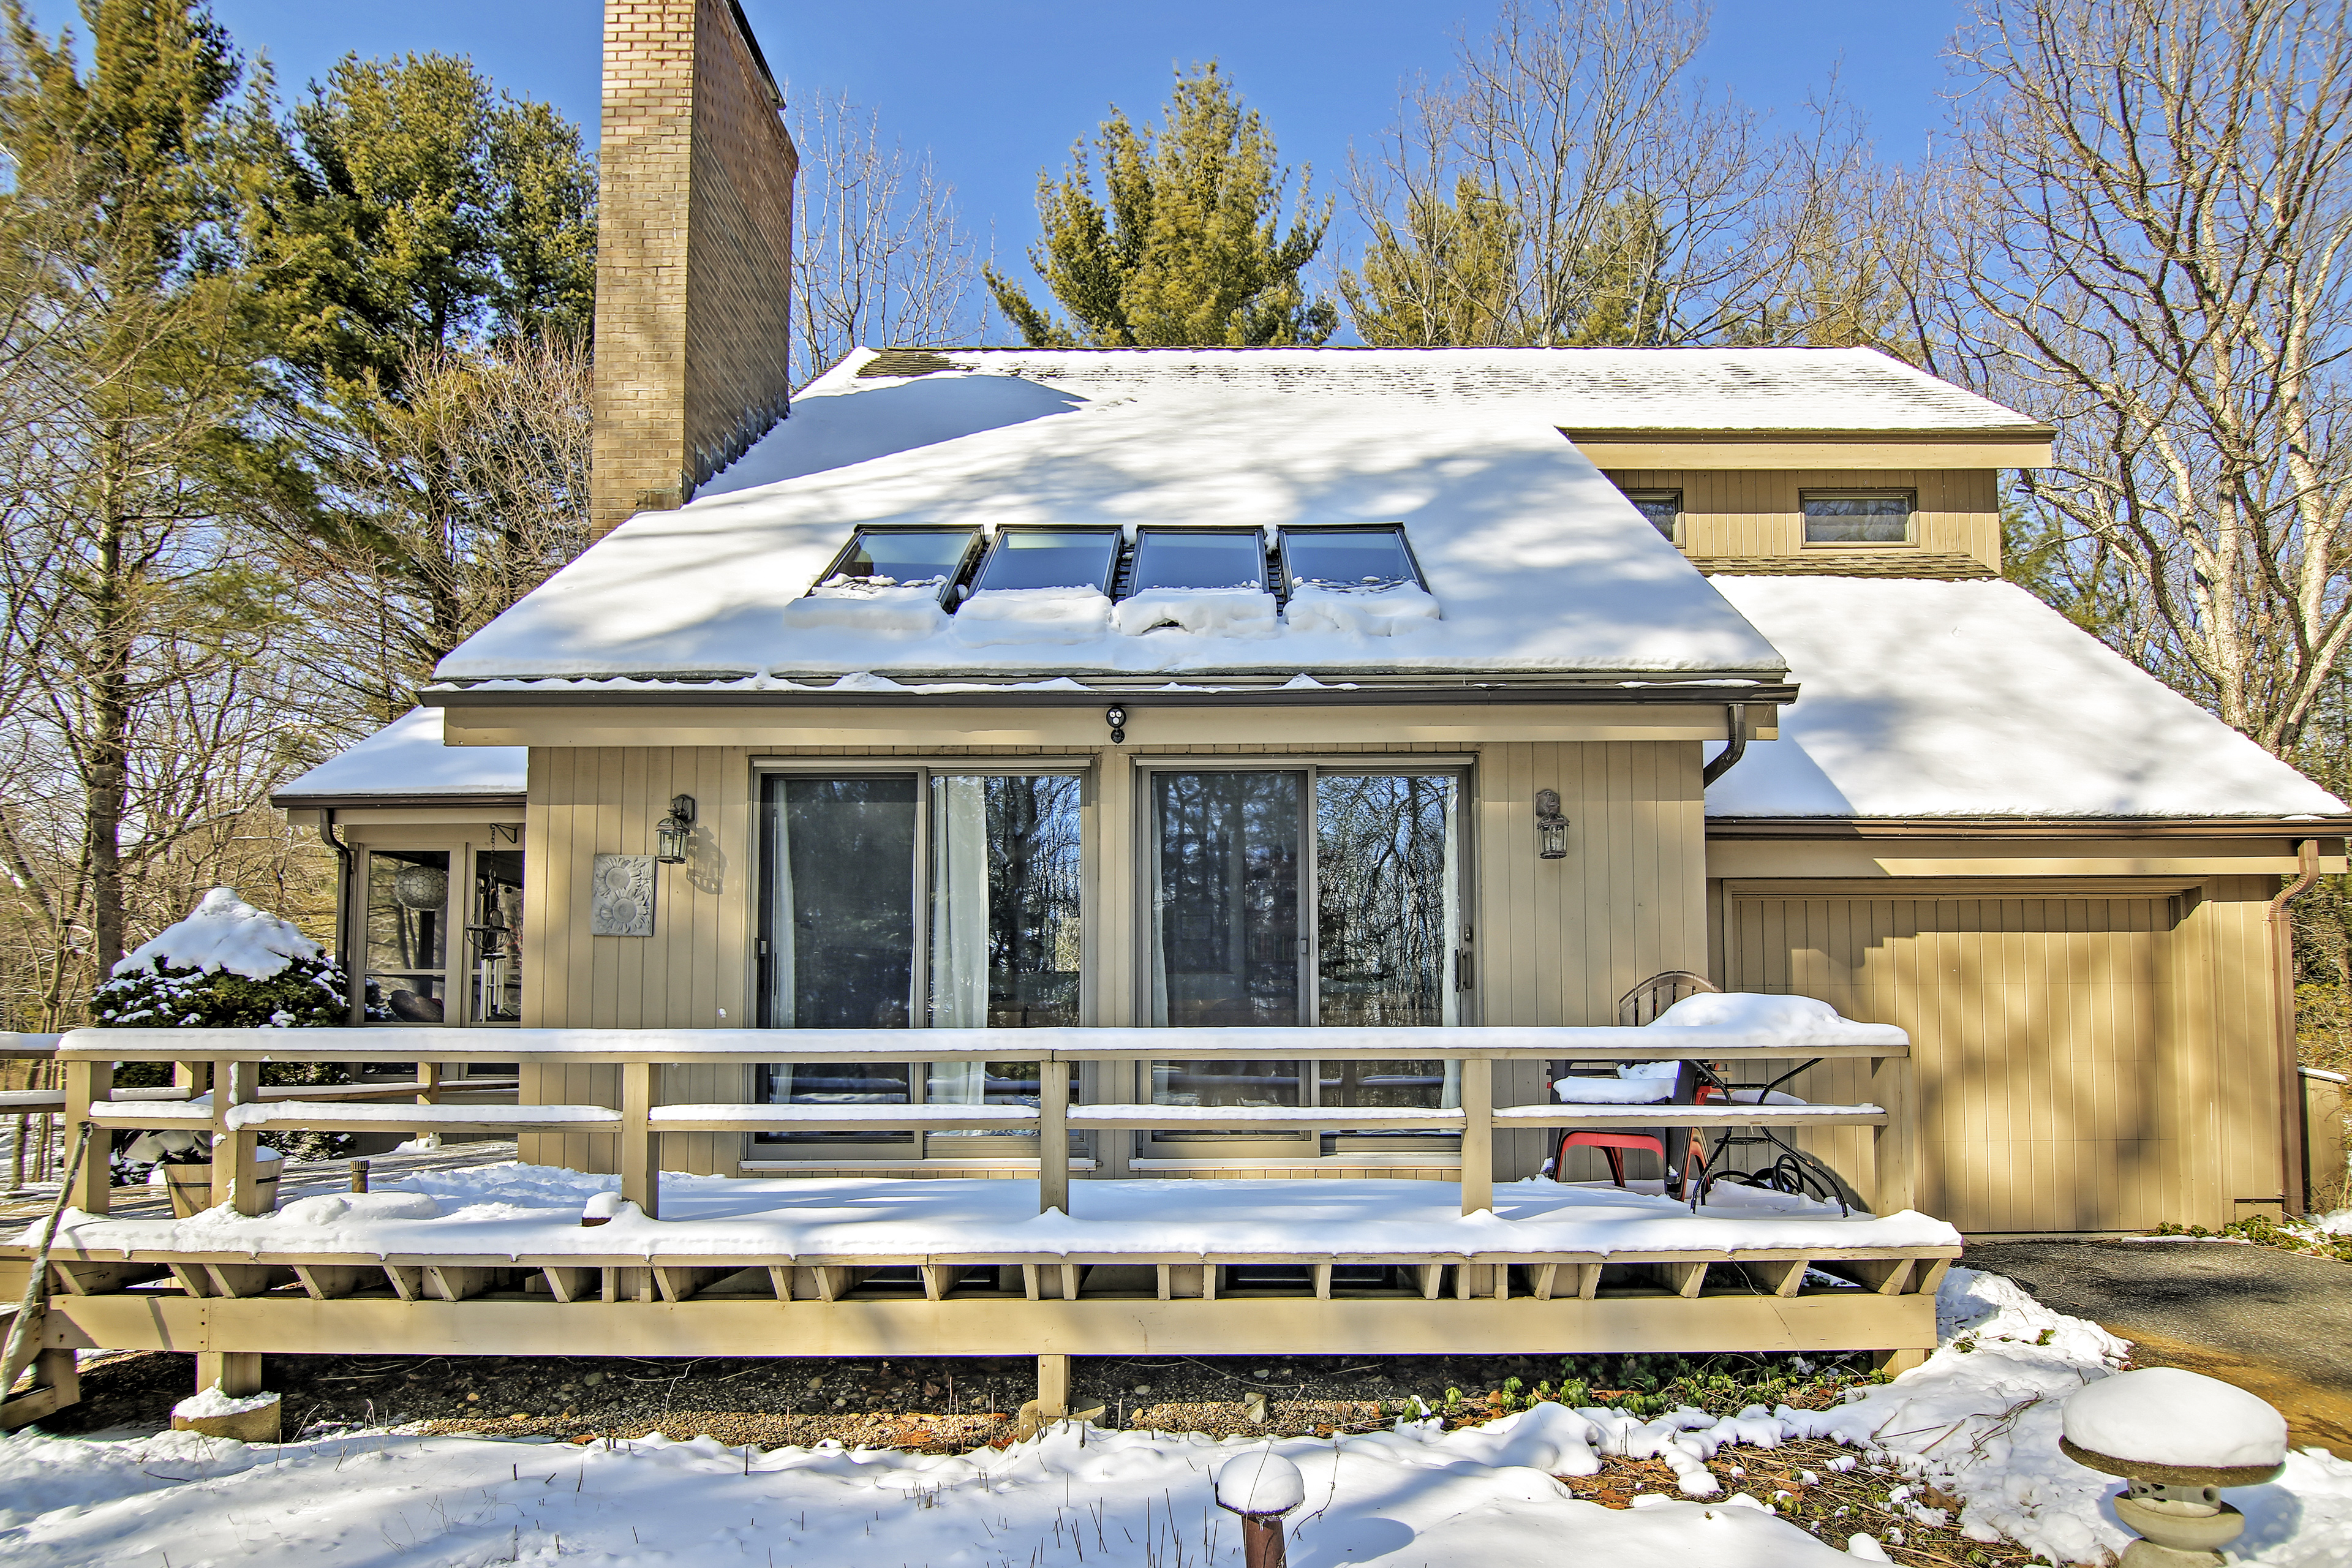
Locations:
(406, 759)
(1922, 698)
(1537, 563)
(1573, 389)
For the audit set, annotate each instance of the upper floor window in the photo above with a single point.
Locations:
(1050, 558)
(1663, 509)
(1198, 558)
(1347, 557)
(1857, 517)
(901, 558)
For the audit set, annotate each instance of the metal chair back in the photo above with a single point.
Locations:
(1653, 996)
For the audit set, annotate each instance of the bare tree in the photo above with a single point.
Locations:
(879, 258)
(436, 509)
(1572, 183)
(2148, 246)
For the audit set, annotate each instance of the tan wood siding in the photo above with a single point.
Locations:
(1755, 511)
(2083, 1064)
(1553, 942)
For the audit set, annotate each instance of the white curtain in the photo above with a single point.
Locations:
(959, 903)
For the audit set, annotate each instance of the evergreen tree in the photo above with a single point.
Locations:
(407, 205)
(1185, 244)
(134, 700)
(1448, 274)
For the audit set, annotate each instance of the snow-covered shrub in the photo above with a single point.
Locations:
(231, 966)
(227, 966)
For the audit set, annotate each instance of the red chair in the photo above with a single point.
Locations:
(1682, 1150)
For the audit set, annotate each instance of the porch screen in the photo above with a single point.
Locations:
(1237, 861)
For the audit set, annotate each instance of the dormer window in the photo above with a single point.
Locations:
(1050, 558)
(1347, 558)
(902, 558)
(1198, 558)
(1857, 517)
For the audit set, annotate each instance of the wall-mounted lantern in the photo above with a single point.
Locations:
(670, 836)
(1551, 827)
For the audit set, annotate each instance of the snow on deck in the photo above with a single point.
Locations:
(1923, 699)
(511, 1211)
(1538, 564)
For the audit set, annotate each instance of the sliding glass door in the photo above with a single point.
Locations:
(1314, 897)
(921, 898)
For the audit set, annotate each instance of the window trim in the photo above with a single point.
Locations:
(1678, 538)
(1910, 498)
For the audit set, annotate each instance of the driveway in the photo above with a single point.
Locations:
(2275, 1323)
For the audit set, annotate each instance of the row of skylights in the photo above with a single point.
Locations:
(960, 561)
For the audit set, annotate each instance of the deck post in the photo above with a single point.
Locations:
(194, 1077)
(1893, 1147)
(86, 1083)
(237, 1171)
(1478, 1135)
(1053, 1385)
(1054, 1139)
(640, 1149)
(428, 1092)
(237, 1372)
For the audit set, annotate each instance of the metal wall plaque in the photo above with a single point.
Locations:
(620, 896)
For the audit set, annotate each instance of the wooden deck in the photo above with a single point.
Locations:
(230, 1307)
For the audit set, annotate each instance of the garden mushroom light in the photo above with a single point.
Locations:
(2177, 1439)
(1261, 1487)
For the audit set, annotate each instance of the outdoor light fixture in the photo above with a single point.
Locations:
(1116, 718)
(1551, 827)
(671, 835)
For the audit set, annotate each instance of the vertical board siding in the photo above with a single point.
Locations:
(2080, 1064)
(1553, 942)
(1730, 512)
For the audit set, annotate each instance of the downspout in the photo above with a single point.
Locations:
(1738, 747)
(2281, 935)
(354, 997)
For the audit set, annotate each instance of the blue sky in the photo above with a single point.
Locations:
(997, 89)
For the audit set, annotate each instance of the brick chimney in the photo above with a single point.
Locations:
(694, 241)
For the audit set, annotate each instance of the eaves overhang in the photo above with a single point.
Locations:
(731, 694)
(472, 800)
(2028, 827)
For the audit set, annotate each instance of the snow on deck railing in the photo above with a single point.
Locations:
(640, 1121)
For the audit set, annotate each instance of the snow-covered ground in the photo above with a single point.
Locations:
(1981, 1422)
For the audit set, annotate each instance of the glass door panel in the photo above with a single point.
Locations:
(1004, 901)
(1227, 948)
(494, 937)
(407, 931)
(1384, 904)
(838, 935)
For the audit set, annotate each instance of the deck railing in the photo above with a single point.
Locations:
(238, 1111)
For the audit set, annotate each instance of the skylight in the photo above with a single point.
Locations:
(1198, 558)
(901, 558)
(1347, 558)
(1050, 558)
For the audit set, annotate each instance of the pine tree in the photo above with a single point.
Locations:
(1185, 244)
(135, 620)
(407, 205)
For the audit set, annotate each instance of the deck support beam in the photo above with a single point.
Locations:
(640, 1149)
(1478, 1135)
(236, 1374)
(87, 1082)
(1053, 1387)
(1053, 1137)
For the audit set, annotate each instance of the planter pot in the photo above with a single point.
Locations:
(192, 1187)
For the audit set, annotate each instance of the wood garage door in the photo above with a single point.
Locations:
(2038, 1028)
